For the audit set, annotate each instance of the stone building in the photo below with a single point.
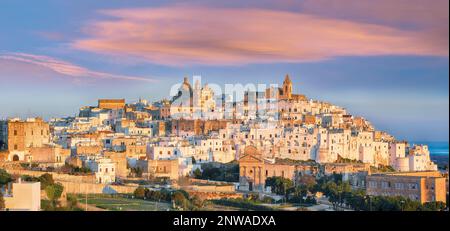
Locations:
(254, 170)
(26, 134)
(104, 168)
(345, 168)
(197, 127)
(51, 155)
(24, 196)
(425, 186)
(160, 168)
(88, 150)
(120, 161)
(113, 104)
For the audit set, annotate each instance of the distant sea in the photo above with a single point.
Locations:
(438, 152)
(436, 148)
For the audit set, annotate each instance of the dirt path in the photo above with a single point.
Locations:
(89, 207)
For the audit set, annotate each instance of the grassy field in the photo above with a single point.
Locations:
(119, 203)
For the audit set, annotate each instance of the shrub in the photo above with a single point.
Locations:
(54, 192)
(139, 192)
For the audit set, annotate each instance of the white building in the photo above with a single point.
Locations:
(104, 168)
(24, 196)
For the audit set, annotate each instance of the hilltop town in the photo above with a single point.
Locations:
(216, 149)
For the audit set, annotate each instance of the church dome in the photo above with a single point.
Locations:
(185, 92)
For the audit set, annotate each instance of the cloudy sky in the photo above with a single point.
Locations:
(386, 60)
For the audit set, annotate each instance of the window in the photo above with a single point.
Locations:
(15, 132)
(15, 146)
(398, 186)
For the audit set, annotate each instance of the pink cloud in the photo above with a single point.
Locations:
(415, 13)
(66, 68)
(194, 35)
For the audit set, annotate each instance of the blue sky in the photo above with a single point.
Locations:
(384, 60)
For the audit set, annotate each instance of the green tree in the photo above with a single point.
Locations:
(46, 180)
(54, 192)
(29, 178)
(137, 171)
(197, 173)
(180, 200)
(185, 194)
(300, 192)
(5, 177)
(197, 203)
(72, 201)
(308, 181)
(221, 172)
(280, 185)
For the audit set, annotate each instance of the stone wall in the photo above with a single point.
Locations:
(210, 188)
(90, 188)
(56, 176)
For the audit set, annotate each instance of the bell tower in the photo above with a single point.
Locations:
(287, 88)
